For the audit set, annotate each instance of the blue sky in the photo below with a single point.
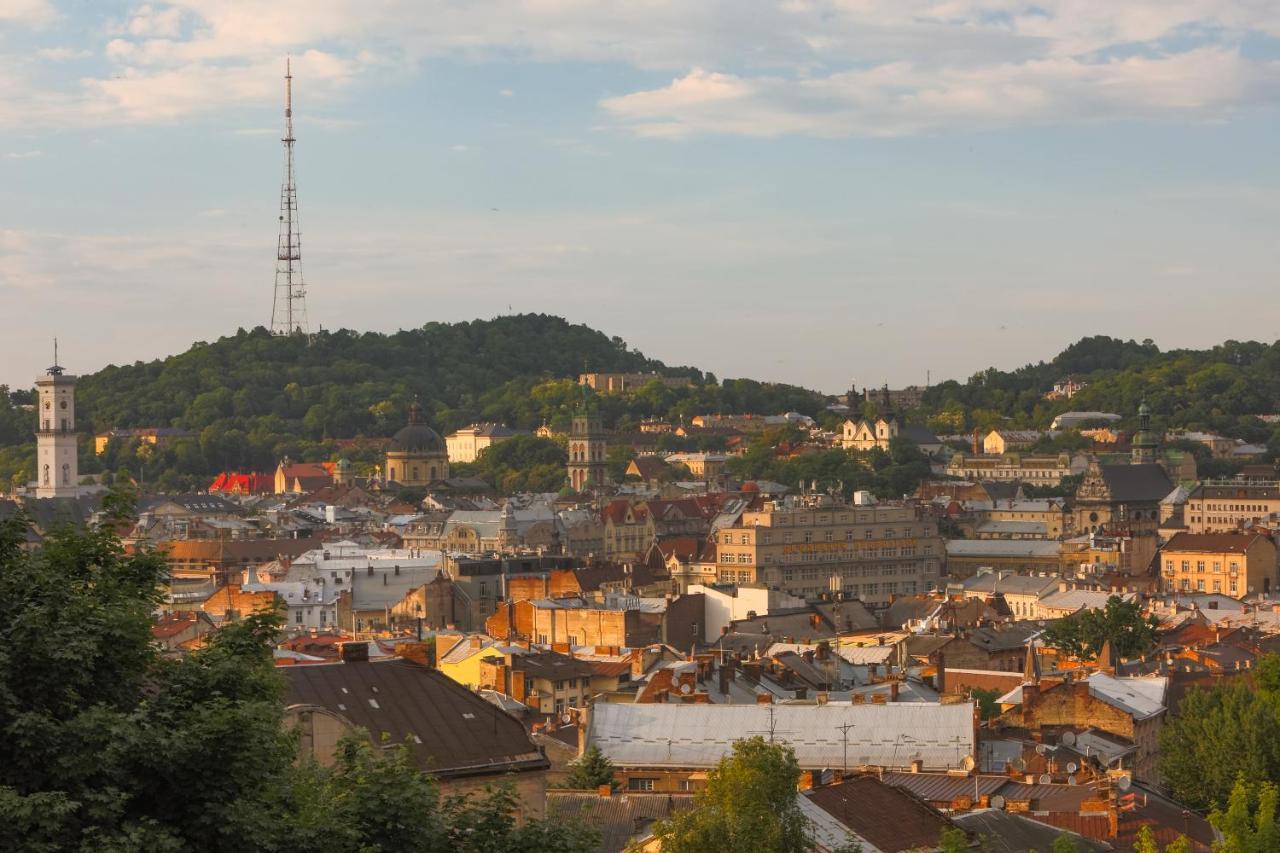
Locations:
(820, 192)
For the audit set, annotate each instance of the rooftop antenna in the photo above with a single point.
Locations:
(289, 312)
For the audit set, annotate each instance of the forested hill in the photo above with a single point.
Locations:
(1220, 389)
(251, 398)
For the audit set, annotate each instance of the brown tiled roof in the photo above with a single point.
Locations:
(551, 665)
(890, 818)
(449, 730)
(1211, 543)
(235, 550)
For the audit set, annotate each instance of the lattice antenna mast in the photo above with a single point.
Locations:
(289, 312)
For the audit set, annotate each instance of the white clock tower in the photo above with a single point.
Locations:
(56, 474)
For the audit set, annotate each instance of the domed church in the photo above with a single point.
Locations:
(416, 455)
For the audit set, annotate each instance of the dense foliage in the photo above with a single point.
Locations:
(590, 771)
(1221, 389)
(524, 463)
(888, 474)
(1223, 735)
(748, 806)
(250, 399)
(106, 746)
(1120, 623)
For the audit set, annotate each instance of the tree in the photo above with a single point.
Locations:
(748, 806)
(106, 746)
(1248, 824)
(1064, 844)
(988, 707)
(1145, 841)
(954, 840)
(1217, 737)
(1120, 623)
(1181, 844)
(590, 771)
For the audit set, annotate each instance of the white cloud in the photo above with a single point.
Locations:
(28, 12)
(458, 147)
(903, 98)
(23, 155)
(62, 54)
(760, 67)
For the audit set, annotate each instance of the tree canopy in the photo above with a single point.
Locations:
(107, 746)
(748, 806)
(1120, 623)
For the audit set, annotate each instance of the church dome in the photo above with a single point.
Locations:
(416, 437)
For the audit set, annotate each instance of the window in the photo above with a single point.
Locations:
(1200, 566)
(45, 479)
(66, 475)
(746, 540)
(1200, 585)
(640, 784)
(297, 617)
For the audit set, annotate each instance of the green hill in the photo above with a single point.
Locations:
(251, 398)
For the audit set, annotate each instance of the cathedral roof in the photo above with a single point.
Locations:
(1136, 483)
(416, 437)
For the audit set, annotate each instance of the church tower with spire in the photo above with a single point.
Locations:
(1145, 443)
(57, 474)
(587, 449)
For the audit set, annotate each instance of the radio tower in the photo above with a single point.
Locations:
(289, 313)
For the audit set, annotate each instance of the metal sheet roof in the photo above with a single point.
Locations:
(890, 735)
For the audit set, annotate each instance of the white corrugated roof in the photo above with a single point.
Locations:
(891, 735)
(1141, 697)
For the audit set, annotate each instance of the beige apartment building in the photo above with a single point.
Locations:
(466, 444)
(871, 551)
(1046, 470)
(1234, 564)
(1222, 506)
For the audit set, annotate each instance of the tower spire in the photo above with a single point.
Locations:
(289, 312)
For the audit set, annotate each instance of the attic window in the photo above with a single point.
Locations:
(341, 707)
(467, 715)
(373, 703)
(345, 690)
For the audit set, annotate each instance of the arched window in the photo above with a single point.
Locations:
(433, 473)
(415, 472)
(46, 475)
(66, 475)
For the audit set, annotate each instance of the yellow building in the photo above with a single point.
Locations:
(1007, 440)
(1234, 564)
(155, 436)
(869, 434)
(1214, 507)
(1037, 470)
(466, 444)
(459, 655)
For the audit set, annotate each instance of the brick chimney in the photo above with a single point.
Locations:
(354, 652)
(764, 698)
(419, 653)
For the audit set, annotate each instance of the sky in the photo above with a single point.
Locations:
(824, 192)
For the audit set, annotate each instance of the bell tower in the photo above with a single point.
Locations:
(587, 450)
(57, 475)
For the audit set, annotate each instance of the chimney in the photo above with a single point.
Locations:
(419, 653)
(477, 642)
(353, 652)
(824, 650)
(893, 691)
(604, 791)
(822, 697)
(917, 765)
(878, 699)
(726, 676)
(858, 699)
(764, 699)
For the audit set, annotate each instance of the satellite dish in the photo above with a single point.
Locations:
(968, 763)
(1124, 783)
(997, 802)
(1018, 764)
(1046, 779)
(1069, 738)
(1041, 749)
(566, 718)
(686, 689)
(1072, 767)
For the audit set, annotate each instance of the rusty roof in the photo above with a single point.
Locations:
(889, 818)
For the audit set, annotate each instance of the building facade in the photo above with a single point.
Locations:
(416, 455)
(1040, 470)
(466, 444)
(587, 451)
(57, 471)
(1223, 506)
(873, 552)
(1234, 564)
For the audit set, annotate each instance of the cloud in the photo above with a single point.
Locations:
(753, 67)
(895, 99)
(28, 12)
(458, 147)
(23, 155)
(62, 54)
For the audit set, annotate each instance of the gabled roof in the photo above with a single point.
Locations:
(1136, 483)
(889, 818)
(449, 730)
